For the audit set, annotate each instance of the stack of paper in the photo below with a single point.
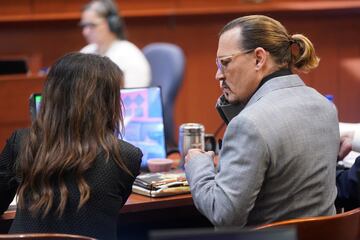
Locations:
(161, 184)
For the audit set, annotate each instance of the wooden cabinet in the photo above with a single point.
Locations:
(14, 102)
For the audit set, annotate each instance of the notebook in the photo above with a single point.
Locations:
(143, 120)
(161, 184)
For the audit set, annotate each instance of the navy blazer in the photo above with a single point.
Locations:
(347, 182)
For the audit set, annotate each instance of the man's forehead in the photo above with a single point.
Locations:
(229, 41)
(90, 14)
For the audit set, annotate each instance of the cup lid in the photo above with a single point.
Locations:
(191, 127)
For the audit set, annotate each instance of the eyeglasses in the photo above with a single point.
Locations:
(222, 62)
(89, 24)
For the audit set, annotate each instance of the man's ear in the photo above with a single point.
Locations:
(260, 57)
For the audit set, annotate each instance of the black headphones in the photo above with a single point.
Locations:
(114, 20)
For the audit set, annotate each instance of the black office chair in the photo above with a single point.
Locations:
(167, 64)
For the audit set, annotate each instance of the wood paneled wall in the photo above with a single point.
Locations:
(45, 30)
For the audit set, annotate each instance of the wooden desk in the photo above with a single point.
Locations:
(137, 203)
(140, 203)
(141, 214)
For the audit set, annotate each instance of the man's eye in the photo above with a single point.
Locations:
(225, 62)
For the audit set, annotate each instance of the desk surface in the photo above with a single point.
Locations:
(138, 203)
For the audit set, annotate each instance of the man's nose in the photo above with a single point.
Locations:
(85, 31)
(219, 75)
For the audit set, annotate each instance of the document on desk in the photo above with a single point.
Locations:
(349, 160)
(161, 184)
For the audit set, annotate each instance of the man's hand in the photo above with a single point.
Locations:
(346, 140)
(195, 151)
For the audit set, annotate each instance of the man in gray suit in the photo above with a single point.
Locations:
(279, 150)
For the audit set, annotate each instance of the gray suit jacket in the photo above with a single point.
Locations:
(277, 162)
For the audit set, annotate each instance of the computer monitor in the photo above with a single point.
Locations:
(13, 66)
(281, 233)
(143, 120)
(34, 102)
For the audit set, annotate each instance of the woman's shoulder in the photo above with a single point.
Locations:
(13, 145)
(124, 48)
(131, 156)
(124, 44)
(127, 145)
(90, 48)
(18, 135)
(130, 151)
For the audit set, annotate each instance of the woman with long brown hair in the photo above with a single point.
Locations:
(71, 172)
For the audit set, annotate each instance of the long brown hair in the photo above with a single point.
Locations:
(80, 115)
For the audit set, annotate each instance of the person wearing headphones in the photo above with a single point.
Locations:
(104, 30)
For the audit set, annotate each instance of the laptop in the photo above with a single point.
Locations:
(143, 120)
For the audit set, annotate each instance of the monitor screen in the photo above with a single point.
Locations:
(143, 120)
(13, 66)
(34, 101)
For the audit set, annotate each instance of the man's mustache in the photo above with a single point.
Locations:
(224, 84)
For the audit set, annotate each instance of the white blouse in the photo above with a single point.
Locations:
(131, 61)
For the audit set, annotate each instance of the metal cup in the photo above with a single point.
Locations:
(191, 135)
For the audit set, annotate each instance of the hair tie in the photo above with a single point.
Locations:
(294, 47)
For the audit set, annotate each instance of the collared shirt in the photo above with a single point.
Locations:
(278, 73)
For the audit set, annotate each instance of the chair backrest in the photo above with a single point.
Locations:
(343, 226)
(44, 236)
(167, 64)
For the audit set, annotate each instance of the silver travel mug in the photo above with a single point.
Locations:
(191, 135)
